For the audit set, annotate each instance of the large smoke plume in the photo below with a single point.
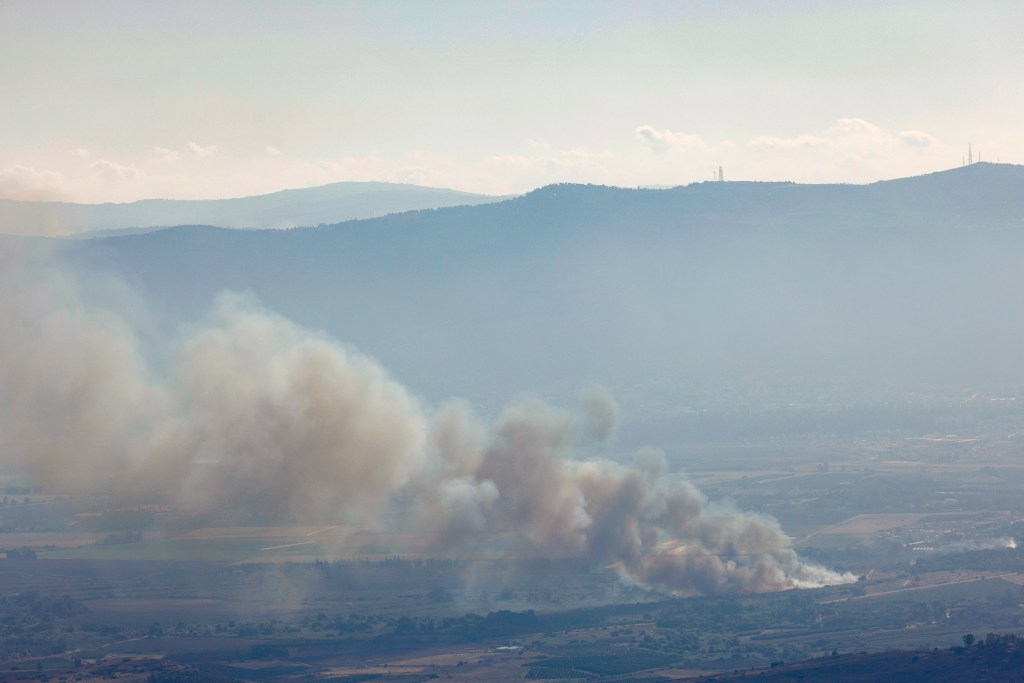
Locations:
(248, 411)
(519, 477)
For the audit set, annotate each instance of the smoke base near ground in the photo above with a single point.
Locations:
(248, 411)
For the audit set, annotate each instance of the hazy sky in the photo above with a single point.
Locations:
(114, 101)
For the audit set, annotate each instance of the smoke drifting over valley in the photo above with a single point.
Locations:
(248, 412)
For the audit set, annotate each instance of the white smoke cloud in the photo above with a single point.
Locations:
(77, 405)
(600, 418)
(298, 425)
(256, 415)
(603, 513)
(293, 424)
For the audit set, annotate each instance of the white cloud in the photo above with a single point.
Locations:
(167, 154)
(849, 136)
(845, 132)
(191, 148)
(916, 138)
(501, 173)
(661, 141)
(200, 151)
(78, 152)
(854, 126)
(29, 184)
(113, 171)
(850, 150)
(796, 142)
(369, 167)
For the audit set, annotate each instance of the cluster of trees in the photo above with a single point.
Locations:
(993, 646)
(29, 623)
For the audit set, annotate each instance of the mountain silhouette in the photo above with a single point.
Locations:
(285, 209)
(810, 292)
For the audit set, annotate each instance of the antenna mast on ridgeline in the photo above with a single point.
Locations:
(970, 155)
(721, 175)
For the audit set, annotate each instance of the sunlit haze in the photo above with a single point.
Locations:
(119, 101)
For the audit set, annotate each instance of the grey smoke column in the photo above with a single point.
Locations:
(255, 414)
(669, 536)
(299, 426)
(77, 404)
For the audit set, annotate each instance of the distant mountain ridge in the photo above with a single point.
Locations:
(331, 203)
(653, 293)
(982, 190)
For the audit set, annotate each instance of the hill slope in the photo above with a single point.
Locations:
(769, 292)
(997, 658)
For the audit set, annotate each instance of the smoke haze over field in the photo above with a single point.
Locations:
(250, 412)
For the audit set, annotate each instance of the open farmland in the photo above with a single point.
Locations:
(261, 600)
(280, 602)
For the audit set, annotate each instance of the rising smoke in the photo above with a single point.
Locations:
(251, 412)
(519, 478)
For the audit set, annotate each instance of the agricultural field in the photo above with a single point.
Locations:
(154, 591)
(411, 619)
